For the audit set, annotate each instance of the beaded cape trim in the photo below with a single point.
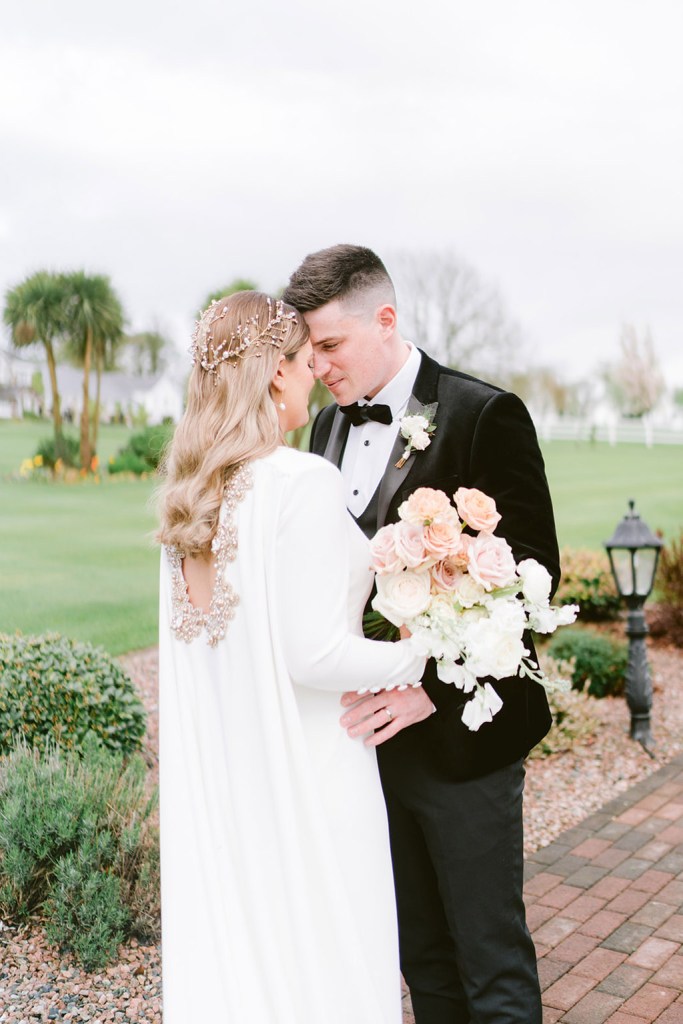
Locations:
(187, 622)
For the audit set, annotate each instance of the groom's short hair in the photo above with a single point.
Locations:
(344, 272)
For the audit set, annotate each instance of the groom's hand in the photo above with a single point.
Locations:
(384, 714)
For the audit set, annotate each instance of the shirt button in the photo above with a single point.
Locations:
(355, 494)
(366, 443)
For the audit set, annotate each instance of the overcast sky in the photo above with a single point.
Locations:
(177, 149)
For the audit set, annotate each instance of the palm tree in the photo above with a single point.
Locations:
(93, 320)
(34, 313)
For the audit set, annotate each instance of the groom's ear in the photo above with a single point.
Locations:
(386, 318)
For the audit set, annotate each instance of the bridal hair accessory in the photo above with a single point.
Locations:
(247, 337)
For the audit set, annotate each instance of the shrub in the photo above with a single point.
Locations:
(77, 847)
(56, 689)
(597, 663)
(665, 622)
(68, 450)
(587, 581)
(573, 719)
(143, 451)
(670, 573)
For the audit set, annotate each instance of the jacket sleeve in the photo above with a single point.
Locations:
(506, 463)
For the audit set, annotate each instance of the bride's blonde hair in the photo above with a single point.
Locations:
(230, 415)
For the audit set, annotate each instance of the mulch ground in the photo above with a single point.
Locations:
(39, 984)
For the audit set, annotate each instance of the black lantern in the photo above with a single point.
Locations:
(633, 553)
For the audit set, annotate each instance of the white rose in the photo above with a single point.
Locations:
(410, 425)
(536, 581)
(493, 651)
(482, 707)
(420, 440)
(402, 596)
(468, 592)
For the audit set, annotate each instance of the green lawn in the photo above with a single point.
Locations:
(79, 558)
(591, 485)
(76, 558)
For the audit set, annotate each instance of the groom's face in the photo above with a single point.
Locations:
(349, 351)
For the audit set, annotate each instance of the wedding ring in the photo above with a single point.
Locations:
(389, 714)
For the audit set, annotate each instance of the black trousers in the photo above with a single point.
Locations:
(457, 850)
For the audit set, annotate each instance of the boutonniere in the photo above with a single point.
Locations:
(417, 428)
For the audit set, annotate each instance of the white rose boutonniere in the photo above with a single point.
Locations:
(416, 428)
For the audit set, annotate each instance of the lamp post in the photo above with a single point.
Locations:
(633, 553)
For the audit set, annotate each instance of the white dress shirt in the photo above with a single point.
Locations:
(369, 445)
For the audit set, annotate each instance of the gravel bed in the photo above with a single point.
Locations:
(39, 984)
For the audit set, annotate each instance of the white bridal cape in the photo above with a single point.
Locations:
(277, 895)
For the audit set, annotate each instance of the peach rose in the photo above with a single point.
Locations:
(442, 539)
(490, 561)
(446, 575)
(383, 551)
(424, 506)
(459, 557)
(409, 544)
(476, 509)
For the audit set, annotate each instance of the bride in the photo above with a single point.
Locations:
(277, 896)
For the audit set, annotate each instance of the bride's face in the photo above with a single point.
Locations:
(298, 380)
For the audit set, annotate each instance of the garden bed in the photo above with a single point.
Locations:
(36, 984)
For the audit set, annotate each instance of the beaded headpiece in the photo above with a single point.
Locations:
(247, 338)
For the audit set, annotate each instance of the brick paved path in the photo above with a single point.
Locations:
(605, 907)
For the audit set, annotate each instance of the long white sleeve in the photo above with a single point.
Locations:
(312, 575)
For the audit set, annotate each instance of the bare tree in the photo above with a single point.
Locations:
(635, 381)
(546, 391)
(448, 309)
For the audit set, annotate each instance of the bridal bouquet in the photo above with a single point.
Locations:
(463, 597)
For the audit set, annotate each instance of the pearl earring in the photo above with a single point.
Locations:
(281, 405)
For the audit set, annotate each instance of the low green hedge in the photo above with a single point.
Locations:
(59, 690)
(598, 664)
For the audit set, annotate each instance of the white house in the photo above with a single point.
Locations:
(124, 396)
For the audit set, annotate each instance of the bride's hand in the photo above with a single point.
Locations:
(384, 714)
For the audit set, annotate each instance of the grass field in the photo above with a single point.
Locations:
(592, 483)
(76, 558)
(79, 559)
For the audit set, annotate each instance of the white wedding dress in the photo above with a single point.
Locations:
(277, 894)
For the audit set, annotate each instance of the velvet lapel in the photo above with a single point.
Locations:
(424, 392)
(337, 439)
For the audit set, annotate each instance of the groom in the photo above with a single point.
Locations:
(454, 797)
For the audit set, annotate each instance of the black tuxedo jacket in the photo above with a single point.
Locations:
(484, 438)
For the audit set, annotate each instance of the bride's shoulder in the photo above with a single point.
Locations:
(292, 463)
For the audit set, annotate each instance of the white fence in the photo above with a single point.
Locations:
(625, 431)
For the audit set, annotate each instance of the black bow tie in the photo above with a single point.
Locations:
(362, 413)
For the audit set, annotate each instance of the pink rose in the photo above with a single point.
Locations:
(476, 509)
(409, 544)
(383, 551)
(424, 506)
(490, 561)
(446, 575)
(442, 539)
